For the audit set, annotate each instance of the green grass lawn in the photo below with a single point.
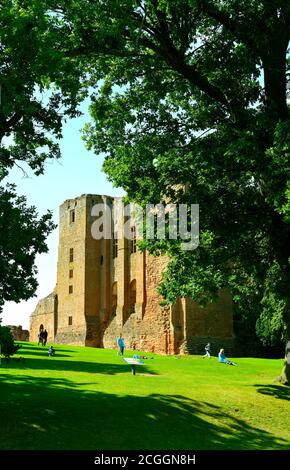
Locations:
(86, 398)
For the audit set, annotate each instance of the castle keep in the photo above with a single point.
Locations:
(105, 287)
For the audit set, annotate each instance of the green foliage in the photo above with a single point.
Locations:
(39, 87)
(185, 92)
(271, 325)
(22, 237)
(193, 93)
(32, 61)
(7, 346)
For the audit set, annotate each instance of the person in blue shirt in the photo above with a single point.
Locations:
(222, 358)
(121, 345)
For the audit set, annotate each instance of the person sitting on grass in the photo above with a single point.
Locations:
(222, 358)
(51, 351)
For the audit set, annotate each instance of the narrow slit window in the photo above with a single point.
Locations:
(133, 240)
(69, 321)
(115, 245)
(72, 216)
(70, 289)
(71, 255)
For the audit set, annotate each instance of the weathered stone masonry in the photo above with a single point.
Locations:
(99, 295)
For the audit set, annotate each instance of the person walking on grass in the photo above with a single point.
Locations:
(40, 338)
(44, 339)
(121, 345)
(207, 351)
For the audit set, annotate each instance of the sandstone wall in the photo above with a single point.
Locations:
(71, 271)
(214, 320)
(18, 333)
(45, 315)
(75, 335)
(81, 274)
(95, 291)
(196, 344)
(195, 326)
(153, 332)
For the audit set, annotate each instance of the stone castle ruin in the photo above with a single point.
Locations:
(106, 287)
(18, 333)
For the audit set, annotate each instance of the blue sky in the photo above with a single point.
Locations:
(78, 172)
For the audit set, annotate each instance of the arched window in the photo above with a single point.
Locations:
(132, 297)
(114, 298)
(41, 328)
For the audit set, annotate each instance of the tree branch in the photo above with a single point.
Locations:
(228, 22)
(13, 120)
(176, 60)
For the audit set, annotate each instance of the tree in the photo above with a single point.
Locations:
(39, 88)
(31, 63)
(22, 237)
(7, 346)
(193, 93)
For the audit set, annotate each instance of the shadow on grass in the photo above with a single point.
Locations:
(42, 353)
(277, 391)
(28, 347)
(55, 364)
(44, 413)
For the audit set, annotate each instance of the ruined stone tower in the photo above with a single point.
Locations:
(106, 286)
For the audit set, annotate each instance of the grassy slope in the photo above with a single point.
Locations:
(86, 398)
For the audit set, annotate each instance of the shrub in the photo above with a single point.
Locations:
(8, 347)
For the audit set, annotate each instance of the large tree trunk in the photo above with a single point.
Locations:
(285, 374)
(280, 235)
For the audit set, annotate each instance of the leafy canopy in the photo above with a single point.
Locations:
(193, 93)
(39, 87)
(32, 61)
(22, 237)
